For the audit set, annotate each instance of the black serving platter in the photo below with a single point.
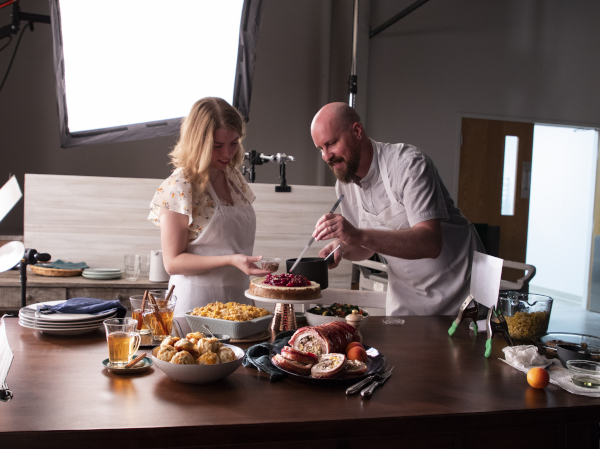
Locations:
(375, 363)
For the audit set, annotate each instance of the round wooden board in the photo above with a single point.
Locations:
(252, 338)
(43, 271)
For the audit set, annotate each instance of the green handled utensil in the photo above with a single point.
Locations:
(496, 324)
(464, 312)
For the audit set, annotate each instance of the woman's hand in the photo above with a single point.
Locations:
(247, 265)
(337, 256)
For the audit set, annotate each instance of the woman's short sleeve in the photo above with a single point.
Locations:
(174, 194)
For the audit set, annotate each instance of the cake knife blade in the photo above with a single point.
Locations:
(312, 239)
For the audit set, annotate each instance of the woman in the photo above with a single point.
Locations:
(204, 210)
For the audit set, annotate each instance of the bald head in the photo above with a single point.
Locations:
(336, 131)
(337, 116)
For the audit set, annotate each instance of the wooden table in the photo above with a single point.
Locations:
(443, 394)
(48, 288)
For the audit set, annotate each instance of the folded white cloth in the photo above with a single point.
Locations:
(558, 375)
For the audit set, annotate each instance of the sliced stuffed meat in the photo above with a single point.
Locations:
(329, 366)
(290, 365)
(299, 356)
(355, 368)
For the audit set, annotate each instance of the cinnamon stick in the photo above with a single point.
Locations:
(156, 314)
(170, 293)
(141, 321)
(135, 361)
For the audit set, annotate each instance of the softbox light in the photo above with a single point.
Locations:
(130, 69)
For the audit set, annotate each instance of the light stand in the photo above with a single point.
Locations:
(18, 16)
(31, 257)
(256, 158)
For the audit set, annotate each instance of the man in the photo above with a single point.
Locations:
(394, 204)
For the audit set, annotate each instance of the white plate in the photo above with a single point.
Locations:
(102, 277)
(64, 324)
(72, 331)
(103, 270)
(66, 316)
(51, 327)
(283, 301)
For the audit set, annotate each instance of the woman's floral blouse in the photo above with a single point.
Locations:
(178, 195)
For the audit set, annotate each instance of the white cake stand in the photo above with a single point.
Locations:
(284, 318)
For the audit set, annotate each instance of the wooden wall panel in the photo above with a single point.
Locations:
(98, 220)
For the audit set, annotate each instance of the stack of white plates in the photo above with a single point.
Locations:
(61, 323)
(101, 274)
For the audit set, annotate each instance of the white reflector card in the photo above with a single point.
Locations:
(138, 61)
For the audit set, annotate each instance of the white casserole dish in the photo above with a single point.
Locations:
(235, 329)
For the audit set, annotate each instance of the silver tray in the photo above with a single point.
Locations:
(592, 342)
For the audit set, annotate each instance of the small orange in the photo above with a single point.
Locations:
(538, 377)
(353, 344)
(357, 353)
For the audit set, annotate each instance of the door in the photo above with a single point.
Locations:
(481, 182)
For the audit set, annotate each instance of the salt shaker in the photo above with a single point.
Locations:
(354, 319)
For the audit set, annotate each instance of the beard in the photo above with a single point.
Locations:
(347, 173)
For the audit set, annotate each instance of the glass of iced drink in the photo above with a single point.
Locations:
(123, 340)
(138, 314)
(160, 322)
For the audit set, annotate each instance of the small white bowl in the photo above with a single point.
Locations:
(315, 320)
(199, 374)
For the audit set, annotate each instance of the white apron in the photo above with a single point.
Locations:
(423, 286)
(231, 230)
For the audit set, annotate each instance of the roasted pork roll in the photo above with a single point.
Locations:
(299, 356)
(327, 338)
(290, 365)
(355, 368)
(330, 365)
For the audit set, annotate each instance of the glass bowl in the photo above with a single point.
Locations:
(584, 373)
(527, 314)
(269, 264)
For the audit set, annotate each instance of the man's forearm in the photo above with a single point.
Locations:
(414, 243)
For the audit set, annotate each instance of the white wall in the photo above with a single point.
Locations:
(529, 60)
(561, 210)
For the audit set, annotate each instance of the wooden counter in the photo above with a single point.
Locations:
(47, 288)
(443, 394)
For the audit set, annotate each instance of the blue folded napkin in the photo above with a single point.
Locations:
(62, 265)
(91, 306)
(257, 356)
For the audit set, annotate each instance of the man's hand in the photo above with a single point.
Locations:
(335, 226)
(337, 256)
(247, 265)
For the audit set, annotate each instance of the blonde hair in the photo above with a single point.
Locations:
(193, 151)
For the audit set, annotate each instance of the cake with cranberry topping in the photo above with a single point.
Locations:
(285, 286)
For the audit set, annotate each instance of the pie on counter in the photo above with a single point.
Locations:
(285, 286)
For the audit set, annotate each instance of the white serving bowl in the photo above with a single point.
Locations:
(199, 374)
(316, 320)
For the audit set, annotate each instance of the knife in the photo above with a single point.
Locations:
(312, 239)
(367, 392)
(358, 386)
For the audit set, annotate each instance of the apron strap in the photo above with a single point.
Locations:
(385, 178)
(213, 194)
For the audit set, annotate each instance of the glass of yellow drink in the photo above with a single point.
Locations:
(160, 322)
(123, 340)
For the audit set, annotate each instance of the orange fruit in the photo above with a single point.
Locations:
(538, 377)
(352, 345)
(357, 353)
